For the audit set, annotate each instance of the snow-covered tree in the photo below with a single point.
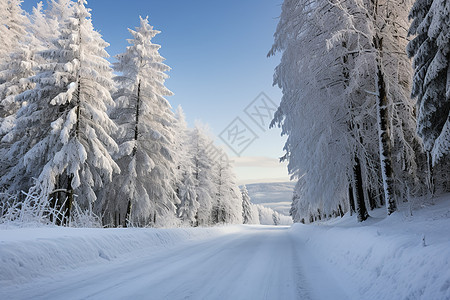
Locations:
(182, 148)
(13, 27)
(312, 79)
(4, 51)
(58, 12)
(431, 85)
(62, 136)
(145, 186)
(15, 70)
(246, 206)
(203, 173)
(16, 51)
(227, 204)
(329, 74)
(41, 29)
(186, 183)
(189, 206)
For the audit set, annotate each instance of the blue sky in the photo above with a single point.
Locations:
(217, 51)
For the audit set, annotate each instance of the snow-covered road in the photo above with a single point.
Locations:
(254, 262)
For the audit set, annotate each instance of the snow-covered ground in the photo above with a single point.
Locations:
(337, 259)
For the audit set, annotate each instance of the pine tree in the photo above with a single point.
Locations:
(63, 133)
(246, 206)
(4, 51)
(58, 13)
(204, 175)
(227, 204)
(13, 27)
(41, 30)
(431, 85)
(145, 135)
(15, 64)
(188, 197)
(14, 77)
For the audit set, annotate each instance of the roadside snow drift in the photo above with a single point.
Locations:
(399, 257)
(29, 253)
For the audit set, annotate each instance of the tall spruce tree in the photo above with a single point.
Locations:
(144, 191)
(62, 136)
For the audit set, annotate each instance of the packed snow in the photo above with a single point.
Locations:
(403, 256)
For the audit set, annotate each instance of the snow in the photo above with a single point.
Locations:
(386, 257)
(382, 258)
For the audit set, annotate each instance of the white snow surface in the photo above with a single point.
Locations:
(382, 258)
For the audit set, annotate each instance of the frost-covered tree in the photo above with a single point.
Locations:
(16, 51)
(227, 204)
(15, 69)
(58, 12)
(13, 27)
(144, 188)
(431, 85)
(312, 81)
(62, 136)
(246, 206)
(4, 51)
(189, 206)
(182, 148)
(329, 75)
(204, 174)
(41, 29)
(185, 181)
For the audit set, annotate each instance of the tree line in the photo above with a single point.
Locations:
(80, 137)
(367, 126)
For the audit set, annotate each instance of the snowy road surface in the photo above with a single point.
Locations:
(254, 262)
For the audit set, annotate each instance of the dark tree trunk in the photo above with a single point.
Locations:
(360, 203)
(372, 199)
(128, 215)
(351, 200)
(69, 201)
(430, 178)
(384, 131)
(341, 212)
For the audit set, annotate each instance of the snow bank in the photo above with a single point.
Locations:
(399, 257)
(34, 252)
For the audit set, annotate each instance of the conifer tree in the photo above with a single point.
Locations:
(430, 49)
(246, 206)
(204, 175)
(62, 136)
(145, 187)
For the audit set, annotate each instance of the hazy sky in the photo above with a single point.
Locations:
(217, 51)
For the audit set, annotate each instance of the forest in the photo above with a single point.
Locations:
(84, 143)
(365, 106)
(89, 139)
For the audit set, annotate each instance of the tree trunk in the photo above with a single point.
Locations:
(372, 199)
(341, 212)
(384, 131)
(351, 200)
(136, 125)
(430, 175)
(69, 201)
(128, 215)
(360, 203)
